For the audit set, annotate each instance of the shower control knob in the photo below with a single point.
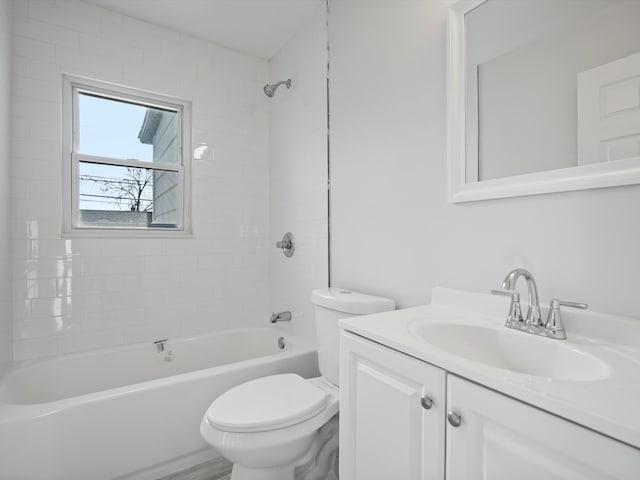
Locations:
(426, 402)
(287, 244)
(454, 419)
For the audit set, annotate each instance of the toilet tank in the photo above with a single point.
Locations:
(330, 305)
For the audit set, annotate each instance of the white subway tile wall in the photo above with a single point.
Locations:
(83, 293)
(298, 172)
(6, 63)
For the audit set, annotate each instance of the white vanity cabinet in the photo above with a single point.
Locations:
(392, 414)
(386, 432)
(502, 438)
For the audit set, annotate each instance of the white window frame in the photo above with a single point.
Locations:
(71, 158)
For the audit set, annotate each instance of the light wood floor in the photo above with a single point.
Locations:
(218, 469)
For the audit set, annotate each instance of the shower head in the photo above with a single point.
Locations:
(270, 90)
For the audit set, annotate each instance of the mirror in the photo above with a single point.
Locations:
(543, 96)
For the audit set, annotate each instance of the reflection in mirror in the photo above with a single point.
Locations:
(543, 96)
(551, 84)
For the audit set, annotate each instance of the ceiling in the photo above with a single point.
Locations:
(257, 27)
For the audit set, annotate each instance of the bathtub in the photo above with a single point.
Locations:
(131, 411)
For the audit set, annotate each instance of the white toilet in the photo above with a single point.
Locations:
(283, 427)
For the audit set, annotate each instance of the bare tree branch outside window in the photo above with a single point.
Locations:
(135, 190)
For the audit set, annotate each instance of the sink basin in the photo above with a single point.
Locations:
(514, 351)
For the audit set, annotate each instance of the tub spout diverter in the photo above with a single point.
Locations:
(281, 317)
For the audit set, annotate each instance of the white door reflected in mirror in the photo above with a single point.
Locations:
(609, 112)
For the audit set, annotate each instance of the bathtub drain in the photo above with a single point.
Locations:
(281, 344)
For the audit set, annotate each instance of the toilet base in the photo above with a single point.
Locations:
(314, 465)
(274, 473)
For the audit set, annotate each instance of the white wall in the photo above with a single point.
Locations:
(393, 232)
(6, 335)
(74, 294)
(298, 172)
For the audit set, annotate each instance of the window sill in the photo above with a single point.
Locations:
(125, 233)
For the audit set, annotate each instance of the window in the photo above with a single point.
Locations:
(126, 159)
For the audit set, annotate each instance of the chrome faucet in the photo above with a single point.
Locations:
(554, 327)
(281, 317)
(532, 323)
(514, 319)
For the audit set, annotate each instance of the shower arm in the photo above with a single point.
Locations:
(281, 82)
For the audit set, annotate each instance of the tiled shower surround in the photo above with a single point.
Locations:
(73, 294)
(298, 172)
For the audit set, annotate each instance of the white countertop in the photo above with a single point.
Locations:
(609, 405)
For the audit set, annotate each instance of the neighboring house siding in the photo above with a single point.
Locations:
(165, 184)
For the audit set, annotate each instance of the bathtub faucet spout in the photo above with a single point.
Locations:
(281, 317)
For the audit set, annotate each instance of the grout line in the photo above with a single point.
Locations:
(328, 153)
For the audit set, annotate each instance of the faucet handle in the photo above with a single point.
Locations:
(554, 327)
(504, 293)
(556, 303)
(514, 319)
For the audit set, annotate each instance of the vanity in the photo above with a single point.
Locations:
(447, 391)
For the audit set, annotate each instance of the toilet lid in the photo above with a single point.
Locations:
(267, 403)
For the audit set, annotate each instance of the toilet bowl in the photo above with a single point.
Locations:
(277, 435)
(285, 427)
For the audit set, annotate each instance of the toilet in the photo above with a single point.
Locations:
(285, 427)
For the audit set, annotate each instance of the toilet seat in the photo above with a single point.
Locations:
(267, 403)
(274, 453)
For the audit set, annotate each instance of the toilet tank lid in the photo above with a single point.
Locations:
(347, 301)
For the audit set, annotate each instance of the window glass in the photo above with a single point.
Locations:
(111, 195)
(118, 129)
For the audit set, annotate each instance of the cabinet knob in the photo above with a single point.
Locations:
(454, 419)
(426, 402)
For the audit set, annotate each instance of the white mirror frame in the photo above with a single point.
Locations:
(611, 174)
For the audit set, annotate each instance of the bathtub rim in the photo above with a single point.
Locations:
(10, 411)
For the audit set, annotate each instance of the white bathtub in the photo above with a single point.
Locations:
(130, 411)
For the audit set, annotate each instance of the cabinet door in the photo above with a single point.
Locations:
(502, 438)
(385, 431)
